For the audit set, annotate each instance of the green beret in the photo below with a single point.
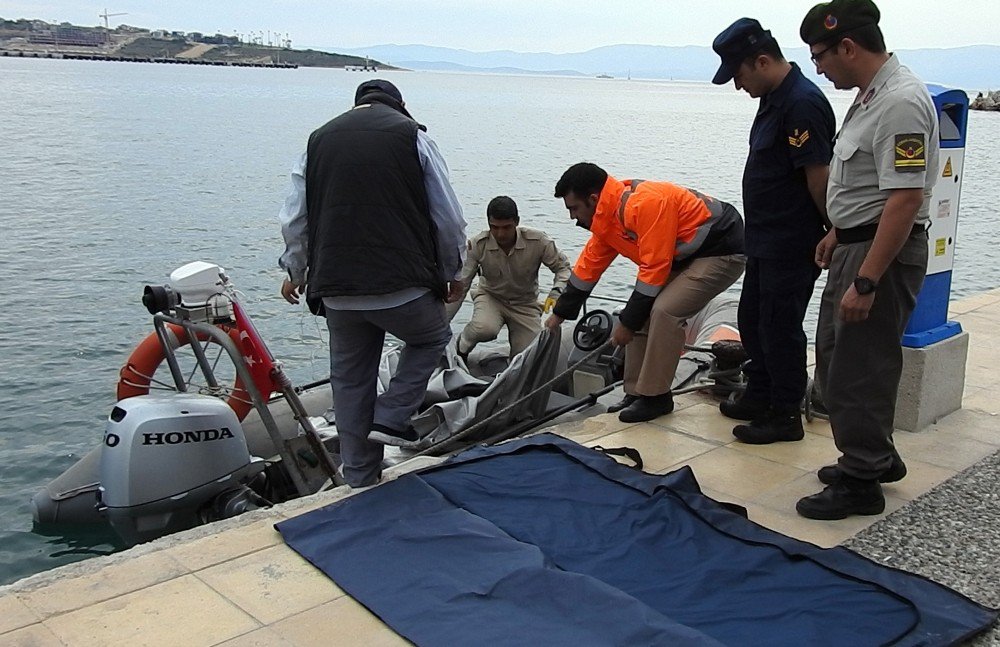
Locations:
(827, 20)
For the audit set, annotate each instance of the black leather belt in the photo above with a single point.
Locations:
(867, 232)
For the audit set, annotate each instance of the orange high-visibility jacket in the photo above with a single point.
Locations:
(653, 224)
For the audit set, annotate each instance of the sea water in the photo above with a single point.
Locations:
(114, 174)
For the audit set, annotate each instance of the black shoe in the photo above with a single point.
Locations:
(624, 402)
(831, 473)
(774, 427)
(647, 407)
(386, 436)
(847, 497)
(743, 409)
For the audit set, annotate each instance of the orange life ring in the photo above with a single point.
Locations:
(134, 378)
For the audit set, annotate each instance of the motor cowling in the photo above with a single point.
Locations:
(164, 457)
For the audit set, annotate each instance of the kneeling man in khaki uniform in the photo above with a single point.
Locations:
(507, 257)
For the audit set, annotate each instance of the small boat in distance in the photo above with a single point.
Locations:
(605, 76)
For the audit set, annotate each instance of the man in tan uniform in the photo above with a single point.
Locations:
(507, 257)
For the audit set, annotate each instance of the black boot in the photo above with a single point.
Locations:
(647, 407)
(848, 496)
(782, 425)
(624, 402)
(743, 409)
(832, 474)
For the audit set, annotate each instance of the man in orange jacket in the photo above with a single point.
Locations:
(689, 248)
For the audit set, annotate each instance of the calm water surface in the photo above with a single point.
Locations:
(112, 175)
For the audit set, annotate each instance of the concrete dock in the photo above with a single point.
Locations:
(235, 583)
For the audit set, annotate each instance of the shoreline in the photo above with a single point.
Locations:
(70, 56)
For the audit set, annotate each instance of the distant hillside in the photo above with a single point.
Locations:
(455, 67)
(146, 47)
(971, 68)
(38, 36)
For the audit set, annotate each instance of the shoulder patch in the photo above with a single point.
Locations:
(911, 154)
(798, 138)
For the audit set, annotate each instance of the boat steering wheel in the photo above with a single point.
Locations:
(592, 330)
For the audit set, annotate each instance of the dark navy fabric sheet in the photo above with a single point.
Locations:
(543, 541)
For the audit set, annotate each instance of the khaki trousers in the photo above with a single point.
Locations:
(652, 356)
(489, 315)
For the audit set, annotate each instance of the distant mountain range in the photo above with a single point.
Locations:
(971, 68)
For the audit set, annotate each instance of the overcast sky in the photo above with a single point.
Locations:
(557, 26)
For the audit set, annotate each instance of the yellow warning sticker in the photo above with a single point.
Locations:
(939, 247)
(947, 169)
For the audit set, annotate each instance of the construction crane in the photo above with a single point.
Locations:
(107, 29)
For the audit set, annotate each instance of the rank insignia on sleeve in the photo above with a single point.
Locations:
(911, 156)
(798, 140)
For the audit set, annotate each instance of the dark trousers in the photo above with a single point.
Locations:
(772, 306)
(356, 344)
(859, 364)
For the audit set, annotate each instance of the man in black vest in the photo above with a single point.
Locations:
(374, 238)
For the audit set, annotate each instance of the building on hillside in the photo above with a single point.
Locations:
(67, 36)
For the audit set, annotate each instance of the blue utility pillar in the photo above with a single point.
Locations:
(929, 321)
(935, 349)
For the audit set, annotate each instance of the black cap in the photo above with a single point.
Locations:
(383, 87)
(735, 44)
(828, 20)
(377, 85)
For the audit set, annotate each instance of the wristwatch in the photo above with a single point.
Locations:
(864, 285)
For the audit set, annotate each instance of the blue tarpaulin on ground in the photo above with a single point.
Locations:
(543, 541)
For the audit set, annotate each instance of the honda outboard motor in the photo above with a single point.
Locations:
(167, 459)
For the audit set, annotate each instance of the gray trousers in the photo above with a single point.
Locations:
(356, 341)
(859, 364)
(652, 356)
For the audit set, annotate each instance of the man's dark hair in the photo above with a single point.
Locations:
(501, 208)
(583, 179)
(770, 48)
(868, 37)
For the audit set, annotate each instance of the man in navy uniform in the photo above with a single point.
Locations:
(784, 202)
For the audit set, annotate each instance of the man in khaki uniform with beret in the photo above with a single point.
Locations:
(885, 162)
(507, 257)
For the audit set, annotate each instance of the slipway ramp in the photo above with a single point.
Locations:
(543, 541)
(196, 51)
